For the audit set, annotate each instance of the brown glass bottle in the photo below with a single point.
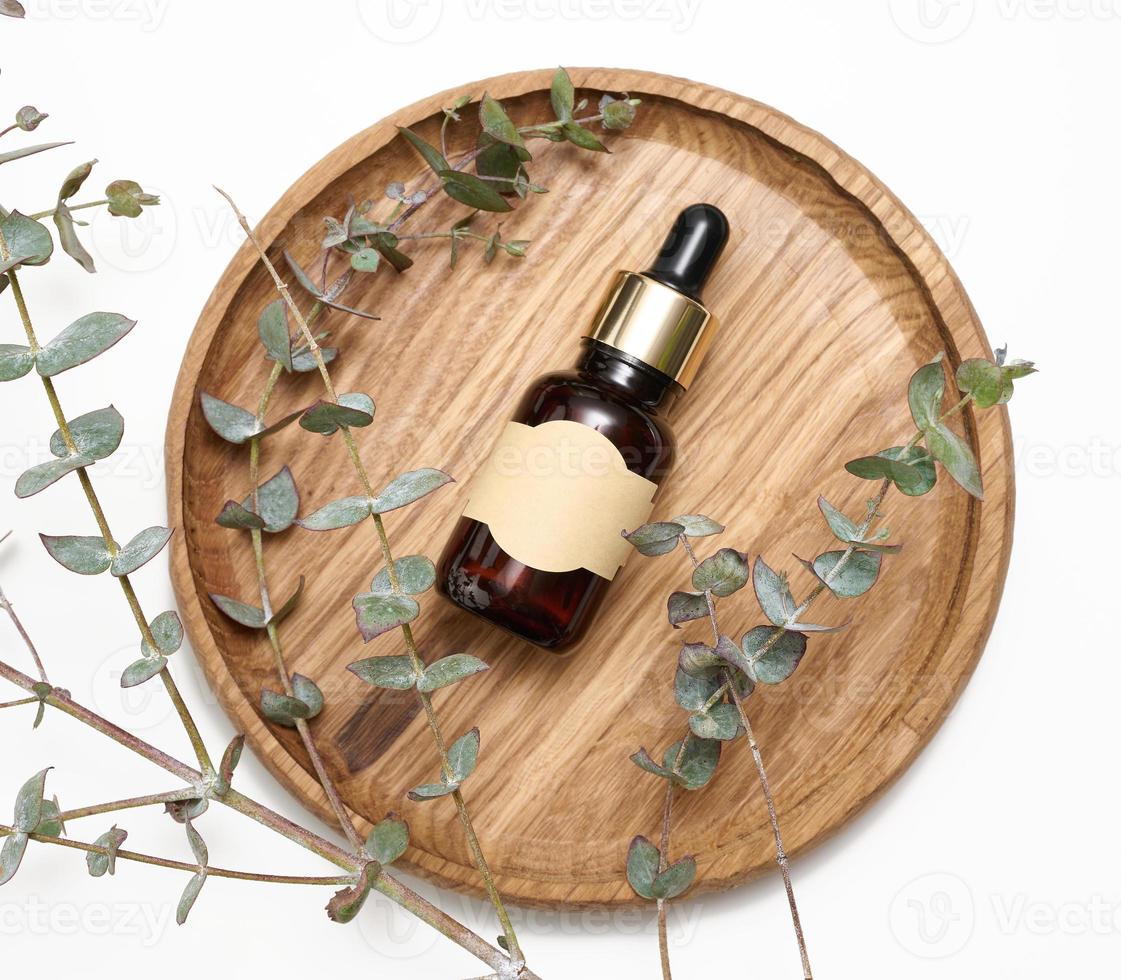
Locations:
(638, 357)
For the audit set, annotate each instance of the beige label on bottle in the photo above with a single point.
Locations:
(558, 496)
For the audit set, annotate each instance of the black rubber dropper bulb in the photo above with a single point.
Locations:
(691, 249)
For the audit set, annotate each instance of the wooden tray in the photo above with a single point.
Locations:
(830, 294)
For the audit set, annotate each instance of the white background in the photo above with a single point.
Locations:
(994, 120)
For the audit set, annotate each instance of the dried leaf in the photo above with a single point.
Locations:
(346, 903)
(431, 791)
(26, 151)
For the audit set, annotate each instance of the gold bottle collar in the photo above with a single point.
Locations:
(660, 326)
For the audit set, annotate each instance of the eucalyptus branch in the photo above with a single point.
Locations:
(713, 681)
(132, 803)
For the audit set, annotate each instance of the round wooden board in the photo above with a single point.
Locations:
(830, 294)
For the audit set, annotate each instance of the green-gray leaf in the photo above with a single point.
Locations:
(449, 670)
(433, 157)
(354, 411)
(198, 845)
(100, 863)
(27, 241)
(656, 538)
(912, 472)
(675, 880)
(235, 424)
(142, 670)
(68, 238)
(773, 592)
(583, 138)
(127, 198)
(15, 361)
(562, 95)
(388, 840)
(856, 577)
(982, 379)
(643, 859)
(722, 574)
(239, 612)
(953, 452)
(473, 191)
(272, 328)
(190, 893)
(395, 673)
(309, 693)
(431, 791)
(924, 393)
(463, 755)
(415, 574)
(74, 180)
(721, 721)
(377, 614)
(238, 517)
(497, 124)
(409, 487)
(844, 529)
(282, 709)
(28, 118)
(698, 660)
(29, 802)
(698, 763)
(338, 513)
(617, 113)
(96, 434)
(11, 854)
(83, 340)
(26, 151)
(781, 658)
(167, 631)
(697, 525)
(41, 476)
(278, 501)
(692, 690)
(685, 606)
(140, 550)
(86, 555)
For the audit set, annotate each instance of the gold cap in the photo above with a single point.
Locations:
(655, 323)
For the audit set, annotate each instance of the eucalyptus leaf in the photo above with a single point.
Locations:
(239, 612)
(198, 845)
(86, 555)
(272, 328)
(235, 424)
(26, 240)
(346, 903)
(643, 859)
(308, 691)
(773, 592)
(924, 394)
(230, 758)
(431, 791)
(473, 191)
(29, 802)
(278, 501)
(698, 660)
(140, 550)
(618, 113)
(100, 863)
(953, 452)
(415, 574)
(698, 761)
(448, 670)
(167, 631)
(238, 517)
(697, 525)
(42, 475)
(433, 157)
(691, 691)
(857, 575)
(327, 299)
(562, 95)
(781, 657)
(583, 138)
(982, 379)
(82, 341)
(96, 434)
(675, 880)
(722, 574)
(26, 151)
(656, 538)
(11, 854)
(354, 410)
(388, 839)
(377, 614)
(395, 673)
(463, 755)
(282, 709)
(338, 513)
(15, 361)
(409, 487)
(74, 180)
(28, 118)
(190, 894)
(686, 606)
(127, 198)
(68, 238)
(142, 670)
(844, 529)
(642, 759)
(497, 124)
(906, 475)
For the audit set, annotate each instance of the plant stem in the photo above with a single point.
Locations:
(16, 704)
(170, 796)
(103, 525)
(10, 610)
(517, 959)
(764, 783)
(342, 815)
(183, 865)
(663, 864)
(70, 207)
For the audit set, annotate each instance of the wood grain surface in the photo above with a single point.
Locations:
(830, 295)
